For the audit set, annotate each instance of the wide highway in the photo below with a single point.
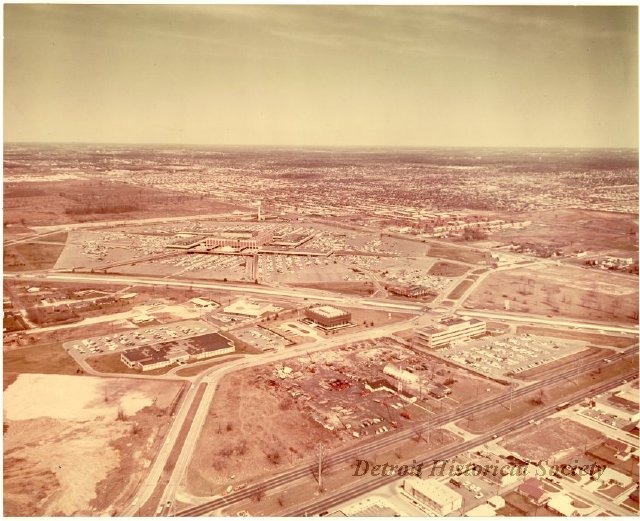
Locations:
(320, 505)
(401, 435)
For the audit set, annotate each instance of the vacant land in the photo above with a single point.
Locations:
(560, 291)
(31, 256)
(195, 369)
(348, 288)
(500, 414)
(47, 359)
(554, 438)
(91, 200)
(459, 290)
(592, 338)
(249, 433)
(448, 269)
(445, 250)
(53, 422)
(575, 230)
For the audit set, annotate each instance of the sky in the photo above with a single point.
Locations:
(413, 76)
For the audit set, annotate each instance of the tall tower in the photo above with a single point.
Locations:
(259, 210)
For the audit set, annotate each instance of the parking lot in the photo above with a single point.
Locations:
(138, 337)
(261, 338)
(514, 355)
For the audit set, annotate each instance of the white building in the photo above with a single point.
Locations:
(433, 495)
(401, 375)
(450, 330)
(200, 302)
(250, 309)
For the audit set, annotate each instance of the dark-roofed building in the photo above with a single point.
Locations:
(410, 290)
(328, 316)
(533, 490)
(164, 354)
(213, 344)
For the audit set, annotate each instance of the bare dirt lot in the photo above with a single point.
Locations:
(553, 438)
(560, 291)
(78, 446)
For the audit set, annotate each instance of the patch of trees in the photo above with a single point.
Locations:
(103, 208)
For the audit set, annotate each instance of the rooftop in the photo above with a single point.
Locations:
(435, 490)
(329, 311)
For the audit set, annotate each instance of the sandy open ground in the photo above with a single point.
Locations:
(72, 445)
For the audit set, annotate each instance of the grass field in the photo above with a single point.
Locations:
(48, 203)
(560, 291)
(193, 370)
(348, 288)
(31, 256)
(47, 359)
(445, 250)
(111, 363)
(448, 269)
(500, 414)
(593, 338)
(459, 290)
(574, 230)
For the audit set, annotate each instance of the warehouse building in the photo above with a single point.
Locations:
(328, 317)
(432, 495)
(164, 354)
(450, 330)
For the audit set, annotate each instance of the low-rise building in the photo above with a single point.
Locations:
(164, 354)
(410, 290)
(250, 309)
(533, 490)
(200, 302)
(433, 495)
(328, 316)
(450, 330)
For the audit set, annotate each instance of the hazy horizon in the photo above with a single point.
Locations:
(322, 76)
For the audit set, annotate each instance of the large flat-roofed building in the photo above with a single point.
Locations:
(328, 316)
(410, 290)
(433, 495)
(165, 354)
(239, 238)
(450, 330)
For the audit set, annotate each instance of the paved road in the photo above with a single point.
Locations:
(537, 319)
(393, 438)
(312, 295)
(317, 506)
(211, 379)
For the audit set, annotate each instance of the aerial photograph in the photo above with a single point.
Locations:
(320, 260)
